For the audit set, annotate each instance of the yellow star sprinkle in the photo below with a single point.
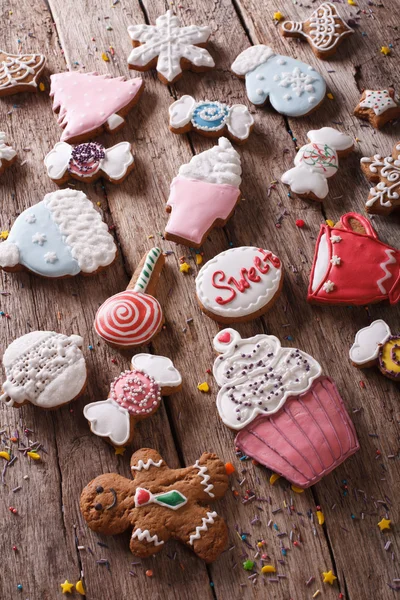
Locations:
(66, 587)
(203, 387)
(4, 235)
(119, 451)
(384, 524)
(184, 267)
(278, 16)
(329, 577)
(385, 50)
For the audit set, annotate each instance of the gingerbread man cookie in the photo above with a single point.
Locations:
(211, 119)
(61, 236)
(44, 368)
(19, 72)
(134, 396)
(88, 103)
(169, 48)
(378, 107)
(384, 198)
(204, 194)
(160, 503)
(316, 162)
(8, 155)
(375, 345)
(89, 161)
(325, 30)
(352, 266)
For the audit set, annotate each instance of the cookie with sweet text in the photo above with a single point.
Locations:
(376, 346)
(378, 107)
(169, 48)
(384, 171)
(8, 155)
(89, 161)
(44, 368)
(324, 30)
(239, 284)
(61, 236)
(316, 162)
(20, 72)
(288, 416)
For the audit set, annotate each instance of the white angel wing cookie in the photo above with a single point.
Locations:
(160, 368)
(57, 160)
(117, 160)
(240, 121)
(181, 111)
(108, 420)
(367, 341)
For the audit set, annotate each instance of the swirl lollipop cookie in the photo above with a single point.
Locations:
(134, 396)
(133, 317)
(375, 345)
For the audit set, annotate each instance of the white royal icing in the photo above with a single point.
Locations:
(367, 341)
(251, 58)
(220, 164)
(7, 153)
(146, 465)
(391, 259)
(231, 270)
(257, 375)
(114, 121)
(110, 420)
(180, 112)
(171, 43)
(160, 368)
(379, 101)
(46, 368)
(322, 262)
(205, 478)
(15, 68)
(145, 535)
(208, 520)
(389, 168)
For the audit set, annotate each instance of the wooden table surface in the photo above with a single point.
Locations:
(48, 527)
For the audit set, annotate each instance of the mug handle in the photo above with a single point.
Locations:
(346, 219)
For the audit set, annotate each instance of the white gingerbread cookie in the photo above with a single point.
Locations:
(19, 72)
(239, 284)
(44, 368)
(378, 107)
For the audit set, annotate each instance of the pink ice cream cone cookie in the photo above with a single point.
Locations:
(204, 194)
(289, 417)
(133, 317)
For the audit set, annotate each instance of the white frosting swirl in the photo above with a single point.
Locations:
(219, 165)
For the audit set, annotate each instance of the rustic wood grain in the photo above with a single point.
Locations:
(187, 424)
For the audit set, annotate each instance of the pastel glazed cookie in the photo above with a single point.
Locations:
(324, 30)
(352, 266)
(161, 504)
(239, 284)
(44, 368)
(289, 417)
(384, 197)
(376, 346)
(8, 155)
(61, 236)
(378, 107)
(88, 103)
(19, 72)
(316, 162)
(134, 395)
(169, 48)
(211, 119)
(204, 195)
(293, 88)
(134, 317)
(88, 162)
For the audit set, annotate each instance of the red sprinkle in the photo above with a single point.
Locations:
(15, 548)
(300, 223)
(362, 384)
(13, 510)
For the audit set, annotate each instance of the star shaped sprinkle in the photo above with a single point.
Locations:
(184, 267)
(4, 234)
(328, 286)
(384, 524)
(66, 587)
(39, 238)
(329, 577)
(30, 218)
(172, 44)
(335, 260)
(50, 257)
(335, 239)
(119, 451)
(385, 50)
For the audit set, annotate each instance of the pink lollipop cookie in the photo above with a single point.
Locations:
(133, 317)
(289, 417)
(134, 396)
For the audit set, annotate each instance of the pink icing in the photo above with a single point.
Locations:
(87, 100)
(196, 205)
(137, 392)
(309, 437)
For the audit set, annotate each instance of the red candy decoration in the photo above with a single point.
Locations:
(300, 223)
(142, 497)
(224, 338)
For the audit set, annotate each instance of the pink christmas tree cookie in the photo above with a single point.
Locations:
(204, 194)
(88, 103)
(289, 417)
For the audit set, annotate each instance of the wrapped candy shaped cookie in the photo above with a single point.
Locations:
(376, 346)
(44, 368)
(316, 162)
(133, 317)
(134, 395)
(352, 266)
(89, 161)
(293, 88)
(204, 194)
(290, 418)
(161, 504)
(8, 155)
(211, 119)
(61, 236)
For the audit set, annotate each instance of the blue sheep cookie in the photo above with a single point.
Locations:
(293, 88)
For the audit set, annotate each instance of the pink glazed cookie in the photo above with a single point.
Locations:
(289, 417)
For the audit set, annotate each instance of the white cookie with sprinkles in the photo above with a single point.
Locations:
(378, 107)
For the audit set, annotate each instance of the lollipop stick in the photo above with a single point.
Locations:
(147, 273)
